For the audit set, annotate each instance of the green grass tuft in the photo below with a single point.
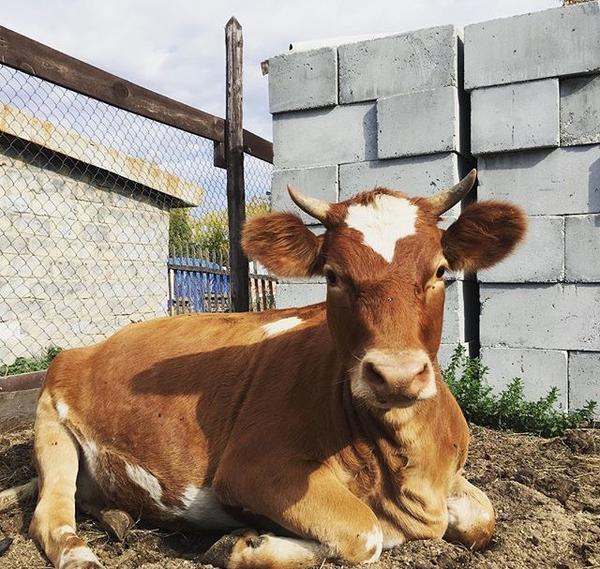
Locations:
(508, 410)
(24, 365)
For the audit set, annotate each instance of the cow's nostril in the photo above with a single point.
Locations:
(372, 375)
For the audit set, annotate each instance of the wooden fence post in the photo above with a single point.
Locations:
(234, 155)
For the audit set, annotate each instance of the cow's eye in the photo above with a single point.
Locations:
(331, 277)
(440, 272)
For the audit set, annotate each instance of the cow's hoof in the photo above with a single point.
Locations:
(117, 522)
(5, 544)
(221, 553)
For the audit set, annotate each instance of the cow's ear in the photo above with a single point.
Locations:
(283, 244)
(483, 235)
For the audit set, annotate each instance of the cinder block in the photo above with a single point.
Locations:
(424, 122)
(582, 248)
(561, 317)
(318, 182)
(292, 294)
(415, 175)
(539, 259)
(584, 379)
(515, 117)
(580, 110)
(303, 80)
(458, 326)
(544, 182)
(446, 352)
(551, 43)
(325, 137)
(413, 61)
(540, 370)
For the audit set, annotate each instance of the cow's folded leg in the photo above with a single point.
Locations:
(471, 516)
(116, 522)
(248, 549)
(314, 505)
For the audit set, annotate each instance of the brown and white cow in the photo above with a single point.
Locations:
(329, 424)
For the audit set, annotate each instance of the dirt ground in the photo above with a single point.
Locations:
(546, 493)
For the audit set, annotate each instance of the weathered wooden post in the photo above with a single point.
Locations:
(234, 156)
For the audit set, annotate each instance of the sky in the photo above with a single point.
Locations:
(177, 47)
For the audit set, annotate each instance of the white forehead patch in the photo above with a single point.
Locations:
(383, 222)
(274, 328)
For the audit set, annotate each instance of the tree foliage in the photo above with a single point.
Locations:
(210, 231)
(180, 227)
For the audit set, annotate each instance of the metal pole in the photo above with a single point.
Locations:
(234, 155)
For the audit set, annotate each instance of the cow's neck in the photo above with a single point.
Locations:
(400, 462)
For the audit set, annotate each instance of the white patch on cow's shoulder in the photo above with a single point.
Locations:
(202, 507)
(374, 539)
(62, 409)
(274, 328)
(383, 222)
(147, 481)
(81, 554)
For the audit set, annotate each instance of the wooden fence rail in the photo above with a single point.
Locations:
(31, 57)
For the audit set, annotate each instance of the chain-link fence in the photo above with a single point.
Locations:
(97, 207)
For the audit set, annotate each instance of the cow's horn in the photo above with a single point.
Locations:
(444, 200)
(314, 207)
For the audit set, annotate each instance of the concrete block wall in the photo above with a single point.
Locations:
(534, 83)
(382, 112)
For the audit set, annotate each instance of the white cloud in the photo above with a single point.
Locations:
(177, 47)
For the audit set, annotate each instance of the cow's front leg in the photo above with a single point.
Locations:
(314, 505)
(471, 516)
(246, 549)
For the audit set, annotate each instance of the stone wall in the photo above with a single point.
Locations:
(534, 82)
(83, 250)
(394, 111)
(380, 112)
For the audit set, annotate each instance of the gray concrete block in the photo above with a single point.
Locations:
(515, 117)
(303, 80)
(413, 61)
(423, 122)
(550, 43)
(584, 379)
(544, 182)
(446, 352)
(325, 137)
(580, 110)
(582, 248)
(458, 326)
(540, 370)
(318, 182)
(292, 294)
(562, 317)
(414, 175)
(540, 258)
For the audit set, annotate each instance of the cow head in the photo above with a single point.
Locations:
(384, 257)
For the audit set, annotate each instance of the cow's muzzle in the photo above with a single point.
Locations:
(389, 379)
